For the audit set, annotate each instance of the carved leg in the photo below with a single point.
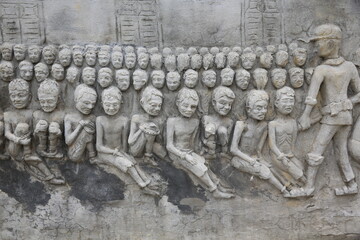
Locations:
(54, 134)
(41, 132)
(150, 139)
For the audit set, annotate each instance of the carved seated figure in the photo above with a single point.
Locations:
(182, 133)
(222, 99)
(249, 138)
(18, 123)
(145, 128)
(80, 125)
(282, 137)
(111, 140)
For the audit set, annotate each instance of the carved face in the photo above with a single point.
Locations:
(7, 53)
(58, 73)
(243, 79)
(48, 102)
(183, 61)
(90, 57)
(19, 98)
(89, 77)
(111, 106)
(258, 110)
(191, 79)
(123, 80)
(170, 63)
(27, 72)
(156, 61)
(158, 80)
(308, 75)
(208, 61)
(41, 73)
(49, 57)
(233, 59)
(296, 77)
(248, 60)
(104, 58)
(281, 58)
(266, 60)
(285, 104)
(278, 79)
(6, 72)
(187, 107)
(209, 79)
(34, 54)
(139, 80)
(152, 106)
(227, 78)
(78, 59)
(130, 60)
(104, 79)
(172, 81)
(143, 60)
(19, 53)
(261, 79)
(71, 74)
(86, 103)
(65, 58)
(117, 59)
(222, 105)
(196, 62)
(300, 56)
(220, 60)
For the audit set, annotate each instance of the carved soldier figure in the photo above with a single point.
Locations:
(18, 125)
(80, 125)
(19, 52)
(26, 70)
(191, 78)
(104, 56)
(49, 54)
(57, 72)
(65, 55)
(282, 136)
(144, 139)
(182, 133)
(242, 79)
(158, 78)
(78, 55)
(227, 76)
(142, 57)
(249, 138)
(130, 57)
(278, 77)
(105, 77)
(41, 72)
(332, 79)
(88, 76)
(34, 52)
(90, 55)
(6, 71)
(7, 51)
(296, 77)
(111, 141)
(117, 57)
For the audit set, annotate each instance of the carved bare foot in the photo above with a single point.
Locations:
(225, 189)
(218, 194)
(352, 188)
(56, 155)
(32, 158)
(299, 192)
(149, 158)
(149, 191)
(57, 181)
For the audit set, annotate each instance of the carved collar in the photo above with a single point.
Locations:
(334, 61)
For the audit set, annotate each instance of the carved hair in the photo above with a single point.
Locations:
(6, 65)
(20, 47)
(226, 71)
(88, 69)
(32, 47)
(141, 72)
(6, 45)
(186, 93)
(208, 72)
(295, 70)
(49, 48)
(19, 84)
(173, 74)
(299, 51)
(122, 72)
(105, 70)
(56, 66)
(83, 90)
(25, 63)
(110, 93)
(42, 66)
(48, 87)
(242, 72)
(255, 96)
(287, 91)
(157, 72)
(150, 92)
(190, 71)
(278, 70)
(222, 91)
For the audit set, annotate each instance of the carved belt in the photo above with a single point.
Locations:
(334, 108)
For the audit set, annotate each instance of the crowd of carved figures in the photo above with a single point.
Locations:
(187, 106)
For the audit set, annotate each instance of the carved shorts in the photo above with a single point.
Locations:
(121, 163)
(198, 169)
(260, 171)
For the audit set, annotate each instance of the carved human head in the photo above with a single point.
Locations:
(104, 56)
(72, 74)
(130, 57)
(242, 79)
(248, 58)
(227, 76)
(196, 61)
(170, 60)
(88, 76)
(155, 58)
(6, 71)
(65, 55)
(142, 57)
(90, 55)
(34, 52)
(327, 38)
(26, 69)
(57, 72)
(209, 78)
(48, 94)
(233, 59)
(105, 77)
(19, 52)
(256, 104)
(296, 77)
(281, 58)
(207, 58)
(140, 79)
(308, 74)
(285, 100)
(49, 54)
(41, 72)
(183, 60)
(222, 100)
(260, 78)
(300, 55)
(191, 78)
(172, 80)
(7, 51)
(111, 100)
(157, 78)
(117, 57)
(187, 101)
(266, 60)
(220, 60)
(78, 55)
(151, 101)
(278, 77)
(19, 92)
(85, 98)
(122, 77)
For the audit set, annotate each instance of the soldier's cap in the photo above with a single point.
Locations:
(326, 31)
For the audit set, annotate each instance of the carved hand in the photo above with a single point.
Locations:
(305, 122)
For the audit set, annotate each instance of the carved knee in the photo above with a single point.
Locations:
(314, 159)
(41, 126)
(54, 128)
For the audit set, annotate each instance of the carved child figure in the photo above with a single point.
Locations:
(248, 58)
(182, 133)
(249, 138)
(156, 59)
(296, 77)
(260, 78)
(57, 72)
(104, 56)
(208, 80)
(300, 55)
(80, 125)
(130, 57)
(282, 135)
(142, 57)
(117, 57)
(18, 125)
(122, 78)
(111, 140)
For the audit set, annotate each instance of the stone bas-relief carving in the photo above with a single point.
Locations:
(137, 109)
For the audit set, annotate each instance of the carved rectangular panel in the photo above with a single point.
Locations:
(22, 22)
(137, 22)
